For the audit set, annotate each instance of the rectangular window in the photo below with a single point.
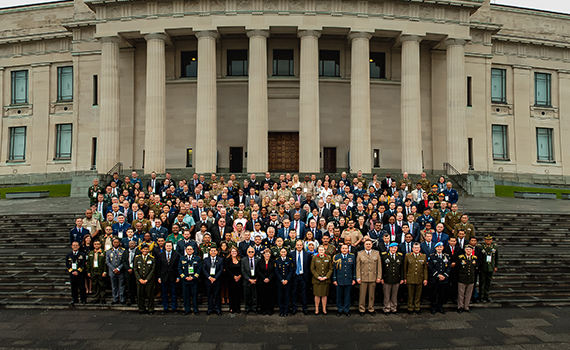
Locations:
(17, 144)
(63, 141)
(329, 63)
(189, 64)
(378, 65)
(65, 83)
(469, 92)
(544, 145)
(237, 62)
(500, 142)
(189, 157)
(498, 85)
(19, 87)
(542, 90)
(283, 63)
(95, 90)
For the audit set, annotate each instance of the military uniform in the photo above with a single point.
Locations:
(330, 250)
(321, 266)
(468, 228)
(285, 193)
(92, 225)
(290, 243)
(107, 242)
(190, 267)
(284, 269)
(75, 262)
(489, 262)
(415, 272)
(128, 186)
(451, 220)
(205, 249)
(344, 274)
(368, 270)
(439, 264)
(466, 282)
(276, 251)
(93, 192)
(144, 270)
(392, 275)
(96, 266)
(107, 223)
(408, 182)
(426, 184)
(146, 224)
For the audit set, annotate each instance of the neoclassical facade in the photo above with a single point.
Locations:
(296, 85)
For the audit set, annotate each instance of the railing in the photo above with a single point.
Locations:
(457, 176)
(117, 168)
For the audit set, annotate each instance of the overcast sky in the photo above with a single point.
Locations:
(549, 5)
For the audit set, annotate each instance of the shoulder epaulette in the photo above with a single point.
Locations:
(400, 253)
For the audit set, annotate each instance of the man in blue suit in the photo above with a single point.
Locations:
(439, 236)
(120, 228)
(451, 195)
(302, 276)
(76, 234)
(406, 246)
(298, 225)
(428, 247)
(414, 227)
(284, 231)
(317, 234)
(212, 269)
(344, 277)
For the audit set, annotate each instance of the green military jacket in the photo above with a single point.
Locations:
(128, 186)
(205, 249)
(468, 228)
(276, 251)
(415, 268)
(489, 257)
(96, 266)
(467, 268)
(452, 219)
(392, 269)
(93, 192)
(144, 270)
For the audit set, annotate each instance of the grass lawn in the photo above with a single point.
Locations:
(54, 190)
(509, 191)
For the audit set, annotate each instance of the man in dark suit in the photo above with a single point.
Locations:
(302, 276)
(439, 236)
(298, 195)
(394, 230)
(323, 211)
(298, 210)
(248, 264)
(383, 244)
(386, 183)
(298, 225)
(101, 206)
(267, 180)
(245, 244)
(428, 247)
(414, 227)
(317, 234)
(250, 225)
(219, 231)
(212, 269)
(406, 246)
(241, 198)
(167, 268)
(454, 251)
(153, 182)
(128, 259)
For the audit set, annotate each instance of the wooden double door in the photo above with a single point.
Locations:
(283, 151)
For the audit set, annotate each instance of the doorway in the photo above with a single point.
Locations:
(236, 159)
(329, 159)
(283, 151)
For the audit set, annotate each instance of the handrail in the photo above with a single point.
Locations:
(117, 168)
(460, 179)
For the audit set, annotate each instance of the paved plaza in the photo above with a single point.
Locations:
(487, 328)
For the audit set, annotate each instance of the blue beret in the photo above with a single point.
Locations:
(393, 245)
(438, 244)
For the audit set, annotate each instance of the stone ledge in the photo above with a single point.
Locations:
(533, 195)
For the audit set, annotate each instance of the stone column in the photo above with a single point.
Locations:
(108, 145)
(155, 120)
(309, 128)
(456, 106)
(206, 104)
(411, 121)
(360, 144)
(257, 122)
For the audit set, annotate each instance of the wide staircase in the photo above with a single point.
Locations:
(533, 252)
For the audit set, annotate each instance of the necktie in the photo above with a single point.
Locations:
(393, 257)
(439, 256)
(343, 256)
(168, 258)
(408, 248)
(251, 263)
(452, 250)
(299, 264)
(392, 230)
(439, 237)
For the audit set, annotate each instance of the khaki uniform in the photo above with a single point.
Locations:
(266, 193)
(92, 225)
(415, 273)
(354, 234)
(408, 182)
(105, 224)
(146, 224)
(452, 219)
(468, 228)
(308, 187)
(426, 184)
(321, 266)
(285, 193)
(368, 270)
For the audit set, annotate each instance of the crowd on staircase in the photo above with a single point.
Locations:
(279, 241)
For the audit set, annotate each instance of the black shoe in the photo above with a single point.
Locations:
(247, 312)
(432, 312)
(185, 313)
(395, 313)
(418, 312)
(72, 303)
(347, 314)
(142, 312)
(151, 313)
(263, 313)
(305, 312)
(338, 314)
(468, 311)
(442, 311)
(294, 312)
(129, 303)
(219, 313)
(208, 313)
(361, 314)
(163, 312)
(488, 300)
(410, 312)
(285, 314)
(280, 314)
(254, 312)
(175, 312)
(460, 310)
(197, 313)
(373, 313)
(387, 313)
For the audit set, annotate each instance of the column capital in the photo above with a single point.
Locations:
(258, 32)
(111, 39)
(303, 33)
(359, 35)
(156, 36)
(203, 34)
(455, 42)
(409, 37)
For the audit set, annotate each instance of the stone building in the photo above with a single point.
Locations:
(296, 85)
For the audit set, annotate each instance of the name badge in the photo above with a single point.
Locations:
(305, 189)
(121, 234)
(149, 262)
(94, 194)
(88, 228)
(446, 198)
(131, 265)
(489, 257)
(212, 271)
(74, 266)
(252, 272)
(190, 269)
(96, 263)
(107, 246)
(164, 194)
(205, 255)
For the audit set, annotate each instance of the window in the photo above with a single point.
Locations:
(95, 90)
(63, 141)
(189, 64)
(189, 157)
(378, 65)
(237, 62)
(544, 145)
(469, 91)
(65, 83)
(19, 87)
(498, 85)
(500, 142)
(329, 63)
(17, 144)
(283, 63)
(542, 90)
(376, 158)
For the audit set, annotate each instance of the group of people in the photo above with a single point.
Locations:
(279, 241)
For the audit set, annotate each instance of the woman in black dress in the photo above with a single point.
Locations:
(234, 282)
(265, 282)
